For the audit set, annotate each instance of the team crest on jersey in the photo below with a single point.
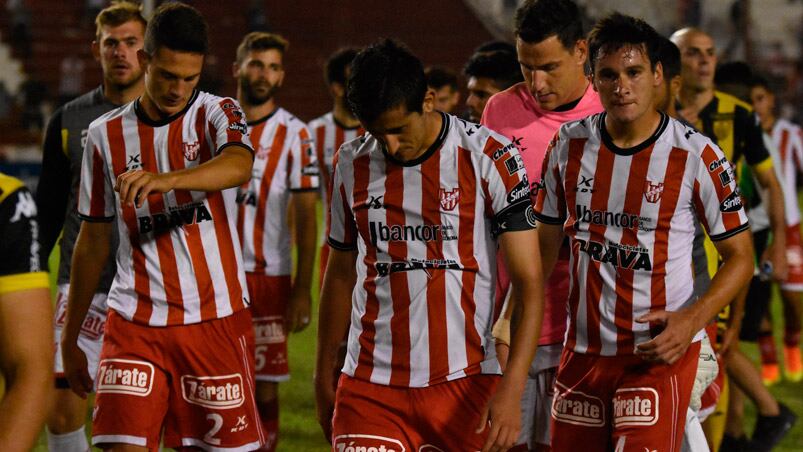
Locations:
(653, 191)
(449, 198)
(191, 150)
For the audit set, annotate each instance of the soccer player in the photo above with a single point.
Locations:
(552, 52)
(26, 335)
(120, 30)
(178, 353)
(330, 131)
(285, 172)
(786, 137)
(631, 346)
(419, 206)
(444, 83)
(487, 74)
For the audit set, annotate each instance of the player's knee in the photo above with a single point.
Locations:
(68, 414)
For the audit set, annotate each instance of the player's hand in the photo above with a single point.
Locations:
(298, 310)
(76, 369)
(324, 401)
(777, 256)
(670, 345)
(135, 186)
(503, 417)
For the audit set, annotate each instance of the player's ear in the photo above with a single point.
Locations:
(143, 58)
(235, 69)
(96, 50)
(658, 74)
(337, 89)
(581, 51)
(429, 100)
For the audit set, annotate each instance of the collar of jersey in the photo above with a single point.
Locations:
(608, 141)
(263, 119)
(431, 150)
(163, 122)
(343, 126)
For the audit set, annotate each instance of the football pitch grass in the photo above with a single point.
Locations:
(299, 430)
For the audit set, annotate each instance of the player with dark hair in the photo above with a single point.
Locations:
(444, 82)
(26, 334)
(178, 353)
(285, 174)
(632, 340)
(787, 138)
(495, 46)
(330, 131)
(487, 74)
(556, 90)
(419, 206)
(120, 33)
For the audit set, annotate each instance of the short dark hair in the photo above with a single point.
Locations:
(335, 69)
(260, 40)
(537, 20)
(759, 81)
(500, 66)
(117, 14)
(384, 76)
(734, 78)
(495, 46)
(616, 30)
(438, 77)
(178, 27)
(669, 56)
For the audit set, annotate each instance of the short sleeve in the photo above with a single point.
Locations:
(96, 199)
(755, 152)
(716, 198)
(342, 231)
(550, 202)
(229, 127)
(303, 171)
(20, 266)
(507, 188)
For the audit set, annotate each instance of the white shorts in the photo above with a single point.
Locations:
(536, 401)
(91, 338)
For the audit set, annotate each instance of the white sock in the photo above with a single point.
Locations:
(68, 442)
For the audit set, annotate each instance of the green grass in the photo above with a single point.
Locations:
(300, 431)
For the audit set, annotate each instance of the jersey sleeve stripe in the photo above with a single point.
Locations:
(729, 219)
(699, 208)
(306, 181)
(23, 281)
(97, 206)
(729, 233)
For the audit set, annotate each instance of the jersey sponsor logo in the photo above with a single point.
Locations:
(124, 376)
(191, 150)
(247, 197)
(25, 208)
(367, 443)
(406, 233)
(310, 170)
(376, 202)
(732, 203)
(585, 185)
(218, 392)
(618, 255)
(177, 217)
(514, 164)
(653, 191)
(616, 219)
(449, 198)
(93, 325)
(238, 127)
(574, 407)
(726, 176)
(716, 164)
(229, 106)
(386, 268)
(519, 192)
(517, 142)
(133, 163)
(529, 214)
(635, 406)
(501, 152)
(269, 330)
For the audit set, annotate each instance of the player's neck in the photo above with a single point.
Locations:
(257, 112)
(153, 111)
(694, 99)
(344, 116)
(630, 134)
(123, 95)
(768, 122)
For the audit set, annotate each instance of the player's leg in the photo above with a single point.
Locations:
(650, 404)
(791, 292)
(65, 424)
(376, 416)
(770, 369)
(212, 404)
(269, 295)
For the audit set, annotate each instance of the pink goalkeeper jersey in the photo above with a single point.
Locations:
(515, 114)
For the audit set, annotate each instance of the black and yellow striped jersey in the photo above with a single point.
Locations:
(20, 265)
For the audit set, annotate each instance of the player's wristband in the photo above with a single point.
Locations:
(501, 331)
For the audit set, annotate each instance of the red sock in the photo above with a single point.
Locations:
(269, 415)
(766, 345)
(791, 338)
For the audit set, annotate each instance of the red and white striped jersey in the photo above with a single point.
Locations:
(329, 135)
(786, 136)
(630, 215)
(425, 231)
(284, 162)
(179, 259)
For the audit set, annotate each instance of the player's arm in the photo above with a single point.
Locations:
(522, 258)
(231, 168)
(776, 251)
(681, 326)
(333, 322)
(305, 224)
(54, 186)
(89, 259)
